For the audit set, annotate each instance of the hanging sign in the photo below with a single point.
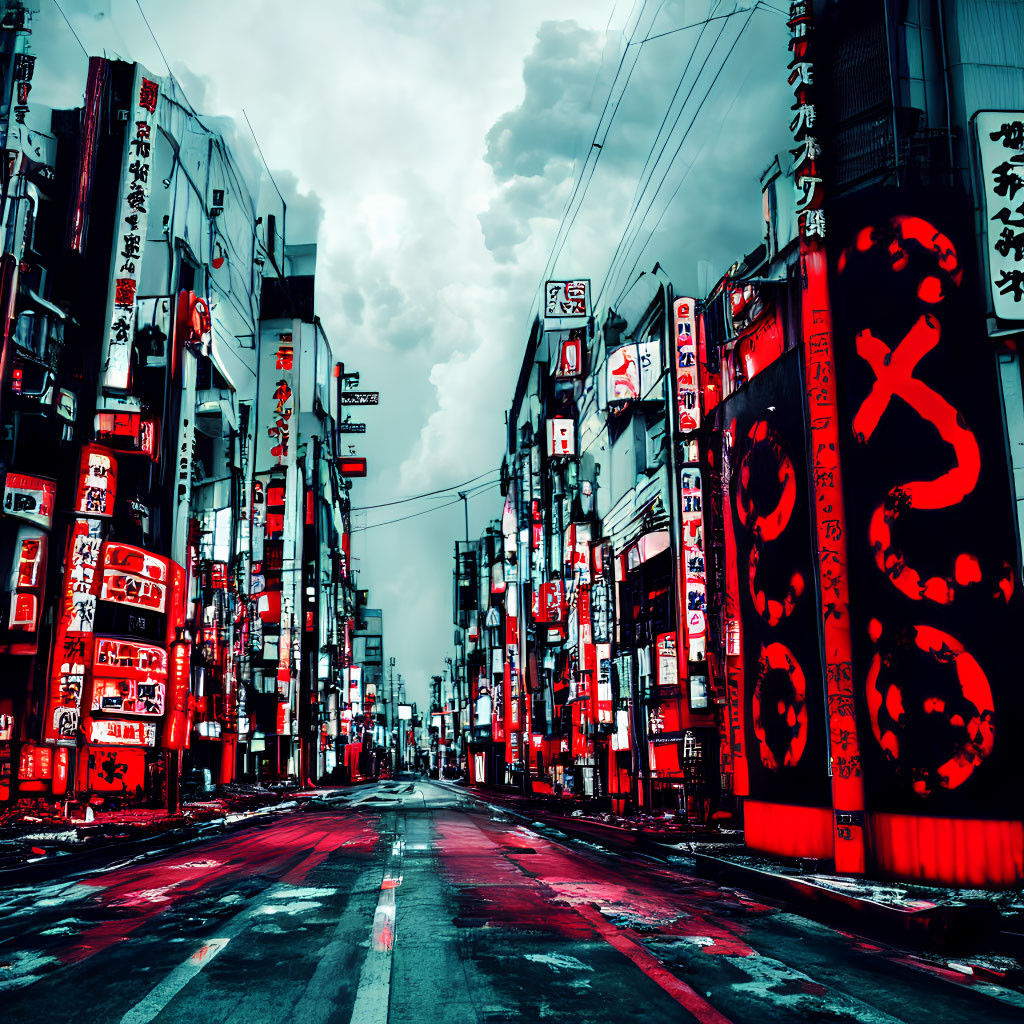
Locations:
(351, 428)
(561, 437)
(565, 302)
(359, 398)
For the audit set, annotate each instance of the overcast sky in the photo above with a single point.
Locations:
(431, 147)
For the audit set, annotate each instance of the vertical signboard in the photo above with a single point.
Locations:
(73, 645)
(694, 572)
(687, 384)
(1001, 156)
(848, 838)
(130, 232)
(277, 430)
(783, 703)
(935, 577)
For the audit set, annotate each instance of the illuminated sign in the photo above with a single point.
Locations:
(29, 572)
(135, 577)
(694, 571)
(275, 446)
(570, 356)
(128, 696)
(30, 498)
(130, 660)
(72, 650)
(176, 723)
(121, 733)
(668, 670)
(351, 467)
(623, 374)
(97, 482)
(561, 437)
(686, 365)
(130, 238)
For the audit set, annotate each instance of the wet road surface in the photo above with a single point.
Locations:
(419, 902)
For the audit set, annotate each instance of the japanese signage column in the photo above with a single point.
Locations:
(692, 627)
(276, 447)
(73, 645)
(1001, 149)
(935, 577)
(820, 382)
(129, 233)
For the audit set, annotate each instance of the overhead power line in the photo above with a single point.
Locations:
(472, 493)
(611, 274)
(642, 182)
(70, 26)
(594, 150)
(425, 494)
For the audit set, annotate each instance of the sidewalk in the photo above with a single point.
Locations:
(34, 839)
(919, 914)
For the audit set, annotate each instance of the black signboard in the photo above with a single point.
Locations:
(933, 551)
(359, 397)
(783, 699)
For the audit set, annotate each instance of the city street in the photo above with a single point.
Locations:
(418, 901)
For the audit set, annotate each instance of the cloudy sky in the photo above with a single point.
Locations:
(431, 147)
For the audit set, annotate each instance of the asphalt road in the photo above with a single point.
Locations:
(421, 903)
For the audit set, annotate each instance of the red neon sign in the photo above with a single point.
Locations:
(176, 724)
(97, 481)
(352, 467)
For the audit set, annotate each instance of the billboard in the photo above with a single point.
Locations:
(933, 554)
(783, 692)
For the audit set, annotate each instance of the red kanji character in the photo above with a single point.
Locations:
(124, 292)
(147, 95)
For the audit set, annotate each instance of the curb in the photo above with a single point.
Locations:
(91, 857)
(936, 926)
(930, 926)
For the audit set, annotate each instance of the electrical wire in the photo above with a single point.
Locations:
(472, 493)
(425, 494)
(608, 277)
(675, 192)
(262, 157)
(70, 26)
(594, 147)
(642, 183)
(604, 138)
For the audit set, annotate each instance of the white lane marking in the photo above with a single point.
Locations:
(158, 997)
(147, 1009)
(374, 991)
(321, 996)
